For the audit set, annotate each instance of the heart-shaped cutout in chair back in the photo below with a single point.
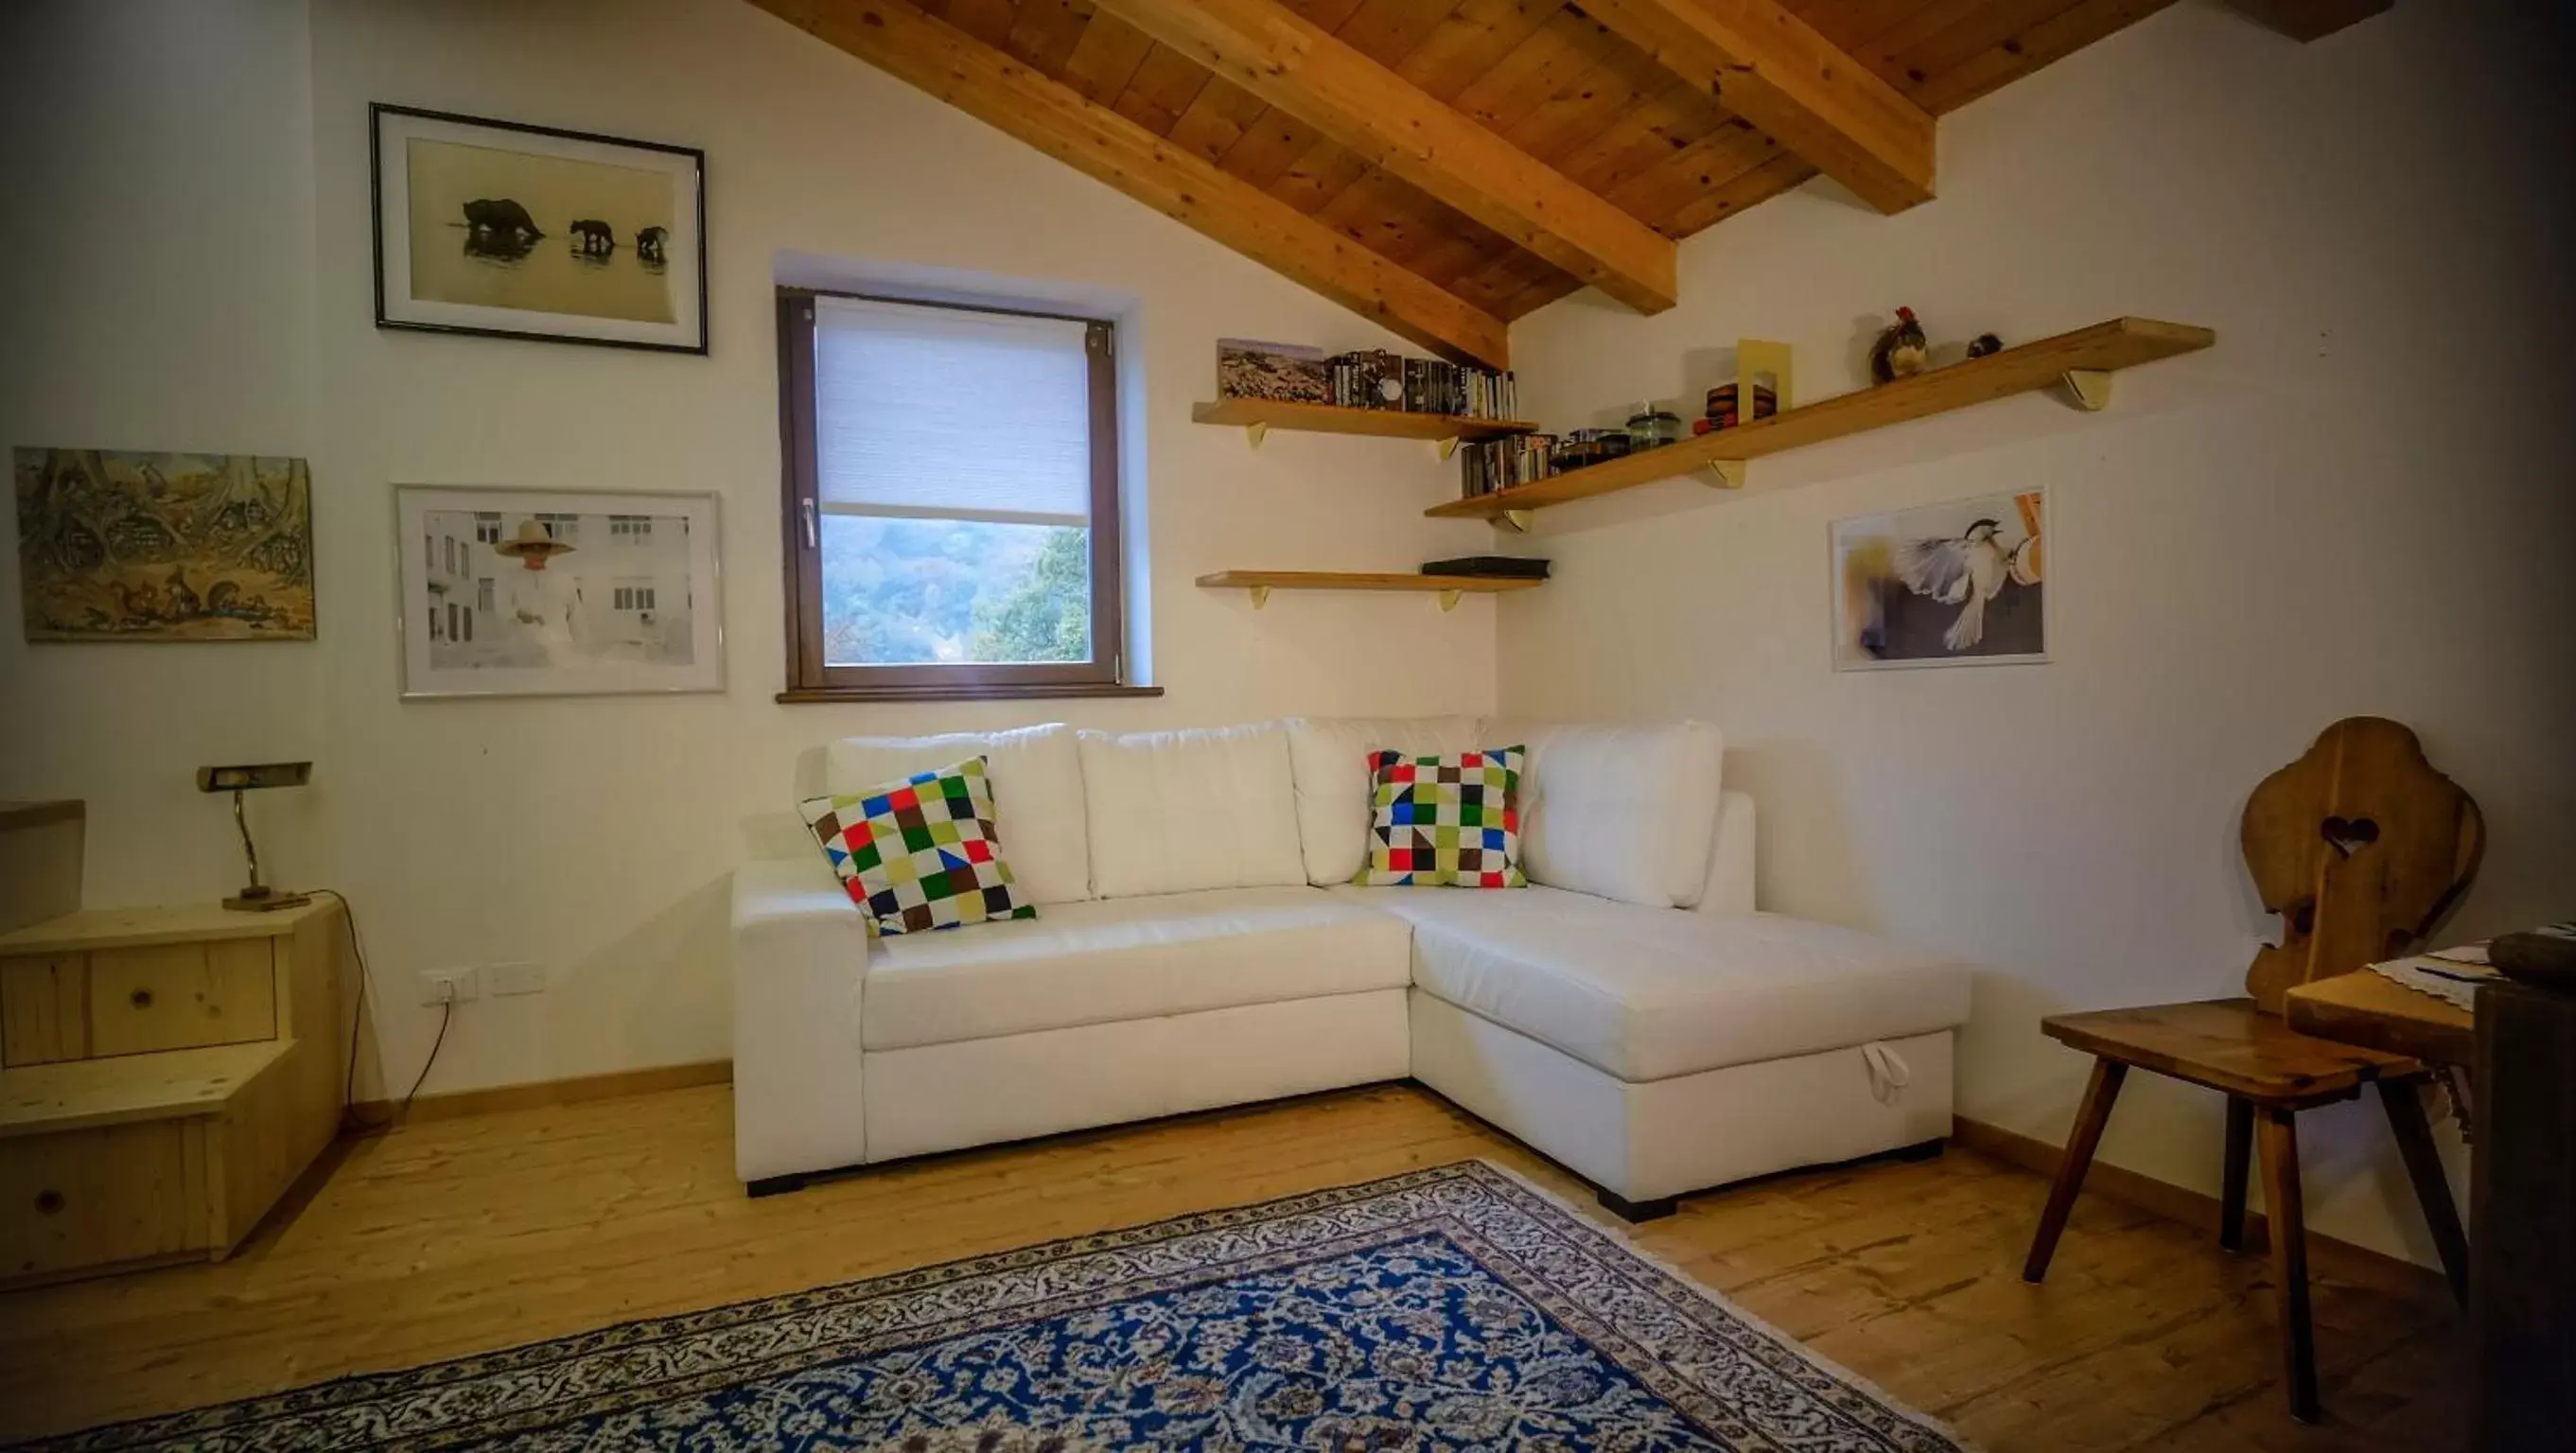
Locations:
(2348, 835)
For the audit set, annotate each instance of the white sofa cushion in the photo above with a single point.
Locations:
(1176, 812)
(1624, 812)
(1646, 994)
(1330, 759)
(1038, 808)
(1129, 958)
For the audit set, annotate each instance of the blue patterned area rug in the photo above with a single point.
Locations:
(1452, 1308)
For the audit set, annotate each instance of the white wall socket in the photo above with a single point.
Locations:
(441, 986)
(516, 978)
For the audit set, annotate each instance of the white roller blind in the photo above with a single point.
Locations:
(936, 411)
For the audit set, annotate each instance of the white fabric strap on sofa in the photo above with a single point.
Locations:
(800, 946)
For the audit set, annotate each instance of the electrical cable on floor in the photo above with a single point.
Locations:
(349, 1119)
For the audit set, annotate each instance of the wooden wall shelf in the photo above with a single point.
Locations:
(2083, 361)
(1257, 417)
(1447, 587)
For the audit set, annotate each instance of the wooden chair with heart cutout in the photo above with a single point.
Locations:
(2362, 848)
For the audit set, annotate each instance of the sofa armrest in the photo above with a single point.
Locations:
(1729, 892)
(800, 957)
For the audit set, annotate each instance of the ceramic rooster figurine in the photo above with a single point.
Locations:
(1900, 351)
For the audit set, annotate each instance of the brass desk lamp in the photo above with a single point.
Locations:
(258, 897)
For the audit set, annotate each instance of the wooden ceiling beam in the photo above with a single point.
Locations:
(1774, 70)
(1007, 94)
(1333, 87)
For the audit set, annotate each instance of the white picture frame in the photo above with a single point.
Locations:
(530, 592)
(536, 232)
(1893, 574)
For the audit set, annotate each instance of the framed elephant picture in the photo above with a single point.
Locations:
(511, 231)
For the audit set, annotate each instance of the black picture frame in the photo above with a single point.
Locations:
(694, 336)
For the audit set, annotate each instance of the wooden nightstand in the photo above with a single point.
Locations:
(165, 1075)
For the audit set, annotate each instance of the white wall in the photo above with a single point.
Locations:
(2357, 502)
(160, 224)
(210, 290)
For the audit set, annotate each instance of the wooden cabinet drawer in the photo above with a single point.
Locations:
(114, 1193)
(136, 1000)
(180, 996)
(44, 1009)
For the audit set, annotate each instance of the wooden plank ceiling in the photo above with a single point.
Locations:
(1277, 126)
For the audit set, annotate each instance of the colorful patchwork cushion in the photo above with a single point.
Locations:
(921, 853)
(1453, 820)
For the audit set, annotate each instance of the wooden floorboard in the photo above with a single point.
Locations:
(456, 1236)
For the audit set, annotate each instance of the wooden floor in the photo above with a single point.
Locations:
(462, 1235)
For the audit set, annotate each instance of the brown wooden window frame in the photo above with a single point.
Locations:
(809, 676)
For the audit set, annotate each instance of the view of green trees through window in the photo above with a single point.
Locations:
(901, 592)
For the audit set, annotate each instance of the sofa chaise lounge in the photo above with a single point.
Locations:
(1199, 944)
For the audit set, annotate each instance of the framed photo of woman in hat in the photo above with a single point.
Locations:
(509, 592)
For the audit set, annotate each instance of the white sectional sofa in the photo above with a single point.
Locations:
(1198, 944)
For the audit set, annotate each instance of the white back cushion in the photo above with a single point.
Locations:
(1330, 758)
(1038, 806)
(1174, 812)
(1624, 812)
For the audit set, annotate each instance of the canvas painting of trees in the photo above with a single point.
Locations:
(124, 546)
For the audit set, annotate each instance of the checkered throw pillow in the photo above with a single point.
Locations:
(921, 853)
(1452, 820)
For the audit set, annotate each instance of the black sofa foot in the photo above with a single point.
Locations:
(1635, 1211)
(774, 1186)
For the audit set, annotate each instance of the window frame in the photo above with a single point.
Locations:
(809, 676)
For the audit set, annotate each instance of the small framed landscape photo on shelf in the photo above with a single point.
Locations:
(514, 231)
(1954, 584)
(509, 592)
(1247, 368)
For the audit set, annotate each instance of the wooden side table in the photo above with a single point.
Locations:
(2375, 1010)
(165, 1075)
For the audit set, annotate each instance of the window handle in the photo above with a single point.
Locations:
(812, 540)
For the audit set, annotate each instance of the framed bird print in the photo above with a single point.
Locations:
(513, 592)
(1953, 584)
(516, 231)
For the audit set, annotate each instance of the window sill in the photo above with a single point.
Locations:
(963, 691)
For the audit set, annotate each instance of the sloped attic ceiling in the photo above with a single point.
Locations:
(1446, 166)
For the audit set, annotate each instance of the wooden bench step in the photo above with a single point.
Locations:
(174, 1084)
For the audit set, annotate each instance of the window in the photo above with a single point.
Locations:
(483, 594)
(952, 501)
(487, 529)
(634, 597)
(633, 529)
(560, 527)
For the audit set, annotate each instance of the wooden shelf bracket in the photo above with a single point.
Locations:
(1516, 521)
(1254, 433)
(2091, 388)
(1448, 601)
(1446, 447)
(1260, 596)
(1725, 474)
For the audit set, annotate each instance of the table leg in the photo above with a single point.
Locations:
(2403, 1099)
(2232, 1175)
(2071, 1166)
(2279, 1137)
